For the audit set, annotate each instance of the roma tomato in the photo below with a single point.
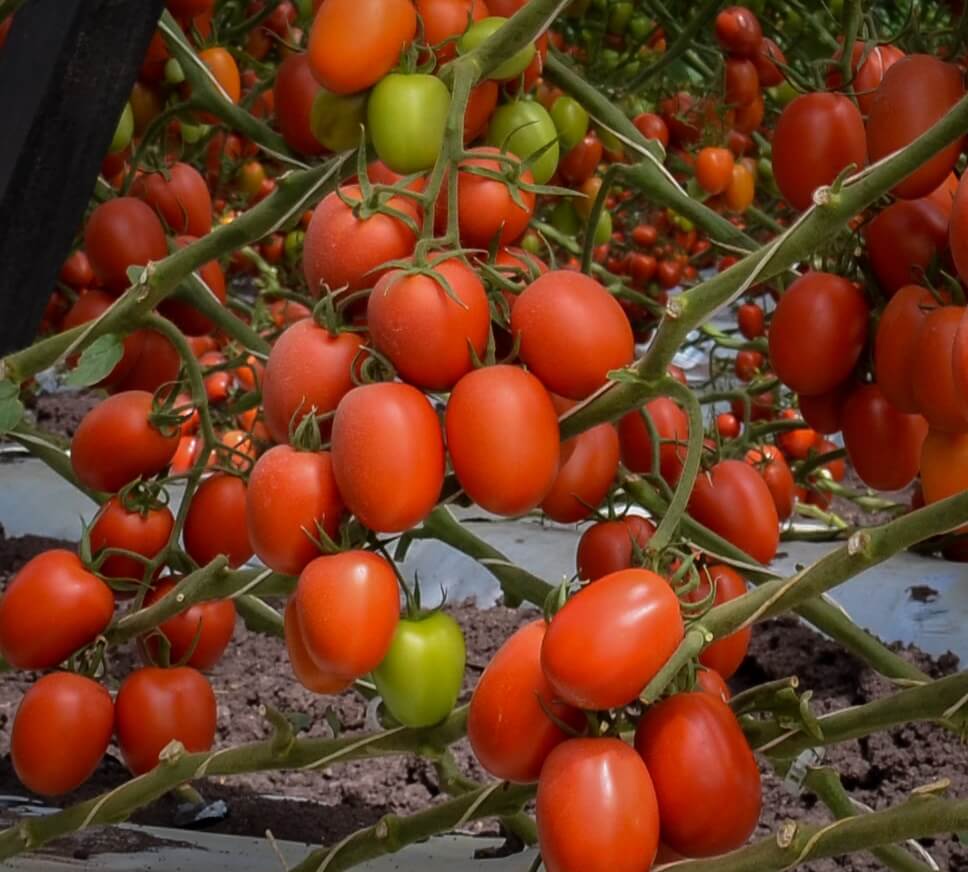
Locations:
(143, 532)
(508, 725)
(216, 521)
(480, 107)
(671, 426)
(179, 308)
(307, 673)
(92, 304)
(868, 66)
(896, 344)
(596, 809)
(652, 126)
(294, 91)
(421, 675)
(610, 639)
(573, 332)
(958, 230)
(120, 233)
(770, 464)
(751, 320)
(502, 434)
(445, 19)
(705, 776)
(157, 706)
(741, 82)
(523, 128)
(609, 546)
(741, 190)
(116, 443)
(738, 31)
(710, 681)
(588, 467)
(226, 72)
(769, 61)
(724, 655)
(388, 455)
(932, 375)
(727, 425)
(944, 466)
(714, 169)
(348, 606)
(406, 114)
(157, 365)
(60, 732)
(823, 412)
(481, 31)
(180, 197)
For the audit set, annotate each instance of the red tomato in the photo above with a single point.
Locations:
(609, 546)
(77, 271)
(958, 230)
(90, 305)
(596, 809)
(294, 90)
(823, 411)
(770, 464)
(710, 681)
(307, 673)
(671, 426)
(60, 733)
(507, 722)
(705, 776)
(142, 532)
(727, 654)
(578, 165)
(388, 455)
(157, 365)
(186, 316)
(738, 31)
(502, 434)
(714, 169)
(180, 197)
(610, 639)
(216, 521)
(481, 104)
(896, 344)
(868, 66)
(769, 60)
(652, 126)
(120, 233)
(116, 443)
(796, 443)
(157, 706)
(751, 320)
(645, 235)
(741, 82)
(590, 461)
(932, 375)
(727, 425)
(748, 364)
(443, 20)
(347, 605)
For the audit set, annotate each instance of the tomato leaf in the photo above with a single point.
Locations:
(97, 361)
(11, 409)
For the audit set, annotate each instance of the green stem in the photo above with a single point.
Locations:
(684, 40)
(853, 14)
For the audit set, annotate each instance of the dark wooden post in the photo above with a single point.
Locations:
(65, 72)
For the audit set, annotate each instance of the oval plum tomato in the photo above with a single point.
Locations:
(77, 271)
(652, 126)
(706, 779)
(180, 197)
(817, 136)
(748, 364)
(355, 43)
(915, 93)
(423, 671)
(959, 362)
(609, 546)
(199, 635)
(868, 65)
(348, 606)
(588, 467)
(749, 117)
(751, 320)
(883, 444)
(671, 426)
(445, 19)
(816, 361)
(741, 82)
(157, 365)
(157, 706)
(479, 32)
(294, 90)
(51, 608)
(610, 639)
(734, 502)
(291, 495)
(523, 128)
(727, 425)
(335, 119)
(307, 673)
(903, 241)
(579, 164)
(932, 375)
(142, 532)
(120, 233)
(710, 681)
(769, 61)
(342, 251)
(179, 308)
(597, 809)
(60, 732)
(428, 327)
(225, 70)
(823, 412)
(770, 464)
(388, 455)
(216, 521)
(573, 332)
(116, 443)
(508, 721)
(714, 169)
(645, 235)
(944, 466)
(796, 443)
(502, 434)
(724, 655)
(741, 190)
(406, 115)
(738, 31)
(92, 304)
(958, 230)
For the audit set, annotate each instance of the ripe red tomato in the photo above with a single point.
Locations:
(588, 467)
(748, 364)
(751, 320)
(714, 169)
(573, 332)
(705, 776)
(307, 673)
(290, 494)
(724, 655)
(223, 67)
(610, 639)
(896, 344)
(738, 31)
(157, 365)
(60, 733)
(816, 137)
(186, 316)
(348, 606)
(796, 443)
(77, 271)
(143, 532)
(815, 361)
(748, 118)
(507, 722)
(426, 330)
(294, 90)
(671, 426)
(771, 465)
(596, 809)
(90, 305)
(769, 60)
(216, 521)
(710, 681)
(388, 455)
(915, 93)
(741, 82)
(157, 706)
(116, 443)
(445, 19)
(502, 434)
(727, 425)
(120, 233)
(932, 375)
(823, 411)
(180, 197)
(578, 165)
(733, 501)
(609, 546)
(645, 235)
(481, 104)
(867, 75)
(958, 230)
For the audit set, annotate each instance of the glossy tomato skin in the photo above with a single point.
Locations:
(739, 31)
(772, 466)
(507, 722)
(294, 90)
(502, 435)
(733, 501)
(672, 427)
(868, 65)
(742, 83)
(815, 361)
(588, 467)
(156, 706)
(157, 365)
(933, 383)
(421, 675)
(216, 521)
(523, 128)
(609, 546)
(823, 412)
(896, 344)
(182, 200)
(816, 137)
(573, 332)
(307, 673)
(426, 330)
(904, 239)
(609, 640)
(751, 320)
(291, 492)
(705, 776)
(727, 654)
(144, 533)
(596, 809)
(60, 733)
(714, 169)
(579, 164)
(406, 115)
(120, 233)
(348, 606)
(915, 93)
(51, 608)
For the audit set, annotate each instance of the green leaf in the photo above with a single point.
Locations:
(97, 360)
(11, 409)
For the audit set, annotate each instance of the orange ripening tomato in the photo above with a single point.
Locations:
(443, 20)
(944, 466)
(741, 191)
(225, 70)
(609, 546)
(714, 169)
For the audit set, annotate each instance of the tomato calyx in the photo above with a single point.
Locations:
(142, 497)
(306, 435)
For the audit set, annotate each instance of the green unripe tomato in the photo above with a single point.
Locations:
(479, 32)
(531, 243)
(610, 58)
(565, 219)
(124, 131)
(421, 676)
(335, 119)
(603, 229)
(406, 116)
(174, 74)
(571, 121)
(640, 26)
(783, 93)
(294, 245)
(192, 133)
(524, 127)
(610, 142)
(619, 16)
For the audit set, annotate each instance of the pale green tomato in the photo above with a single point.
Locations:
(193, 132)
(525, 127)
(571, 121)
(479, 31)
(406, 117)
(124, 131)
(565, 219)
(603, 229)
(174, 74)
(336, 119)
